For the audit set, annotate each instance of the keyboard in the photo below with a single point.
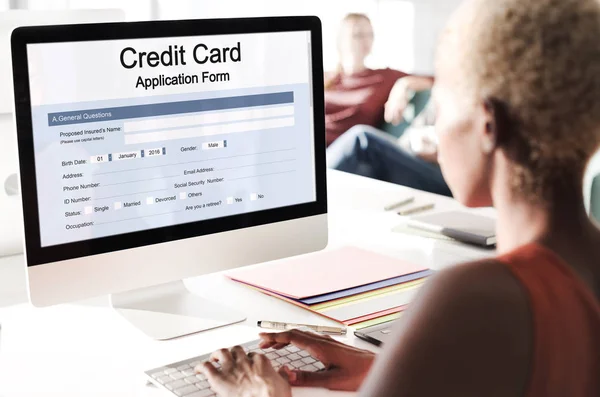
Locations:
(181, 380)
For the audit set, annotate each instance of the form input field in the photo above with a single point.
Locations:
(207, 130)
(208, 118)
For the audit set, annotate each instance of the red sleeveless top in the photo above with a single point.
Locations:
(566, 325)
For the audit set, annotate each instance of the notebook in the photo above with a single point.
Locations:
(412, 231)
(462, 226)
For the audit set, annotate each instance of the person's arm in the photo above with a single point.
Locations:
(469, 334)
(418, 83)
(401, 94)
(420, 137)
(252, 375)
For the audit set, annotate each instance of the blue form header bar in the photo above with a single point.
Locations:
(164, 109)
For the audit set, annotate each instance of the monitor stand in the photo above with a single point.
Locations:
(170, 310)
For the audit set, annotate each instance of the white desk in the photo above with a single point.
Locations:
(88, 350)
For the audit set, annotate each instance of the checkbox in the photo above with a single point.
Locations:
(88, 210)
(182, 196)
(229, 200)
(253, 197)
(118, 205)
(150, 200)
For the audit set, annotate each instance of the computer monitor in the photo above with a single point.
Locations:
(154, 151)
(9, 20)
(10, 242)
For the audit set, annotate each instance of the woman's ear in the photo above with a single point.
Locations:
(497, 123)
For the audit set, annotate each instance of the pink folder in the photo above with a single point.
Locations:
(324, 272)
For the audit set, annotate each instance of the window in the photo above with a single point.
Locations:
(394, 35)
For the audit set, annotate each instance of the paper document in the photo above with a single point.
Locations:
(324, 272)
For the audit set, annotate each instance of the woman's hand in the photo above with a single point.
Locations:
(424, 145)
(345, 367)
(243, 375)
(401, 94)
(397, 101)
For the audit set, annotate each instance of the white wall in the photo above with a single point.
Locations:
(392, 20)
(430, 18)
(394, 23)
(403, 42)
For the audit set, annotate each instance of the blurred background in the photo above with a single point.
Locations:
(405, 33)
(405, 30)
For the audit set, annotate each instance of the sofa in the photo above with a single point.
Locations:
(416, 105)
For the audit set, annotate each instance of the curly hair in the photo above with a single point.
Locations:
(540, 59)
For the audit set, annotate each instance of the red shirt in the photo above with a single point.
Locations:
(357, 99)
(566, 325)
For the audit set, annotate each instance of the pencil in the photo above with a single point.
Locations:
(415, 210)
(399, 204)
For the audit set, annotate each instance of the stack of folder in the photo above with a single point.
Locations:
(352, 286)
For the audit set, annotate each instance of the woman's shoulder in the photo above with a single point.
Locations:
(476, 317)
(487, 281)
(485, 296)
(469, 332)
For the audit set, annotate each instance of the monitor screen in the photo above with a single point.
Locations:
(139, 134)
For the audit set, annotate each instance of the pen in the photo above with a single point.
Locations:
(322, 329)
(398, 204)
(414, 210)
